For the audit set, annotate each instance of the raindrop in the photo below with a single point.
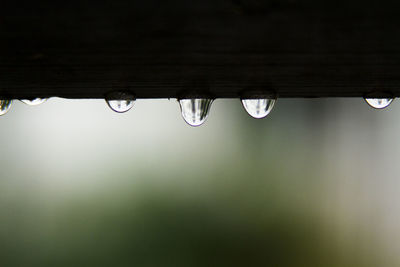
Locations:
(5, 106)
(120, 101)
(379, 103)
(34, 102)
(195, 111)
(258, 108)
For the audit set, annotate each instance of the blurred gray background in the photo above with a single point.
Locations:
(314, 184)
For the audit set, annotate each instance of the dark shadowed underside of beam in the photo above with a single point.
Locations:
(159, 48)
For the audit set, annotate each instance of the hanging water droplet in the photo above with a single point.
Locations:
(120, 101)
(34, 102)
(195, 111)
(5, 106)
(379, 103)
(258, 108)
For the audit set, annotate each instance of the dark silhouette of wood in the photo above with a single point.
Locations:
(160, 48)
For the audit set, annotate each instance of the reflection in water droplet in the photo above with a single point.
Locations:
(379, 103)
(5, 106)
(195, 111)
(34, 102)
(120, 101)
(258, 108)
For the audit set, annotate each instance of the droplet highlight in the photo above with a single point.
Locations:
(34, 102)
(120, 102)
(195, 111)
(379, 103)
(5, 106)
(258, 108)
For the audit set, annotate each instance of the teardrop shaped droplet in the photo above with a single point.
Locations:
(34, 102)
(5, 106)
(379, 103)
(120, 101)
(258, 108)
(195, 111)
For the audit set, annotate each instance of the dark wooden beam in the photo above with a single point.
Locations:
(158, 48)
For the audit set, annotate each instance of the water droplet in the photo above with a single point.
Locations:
(195, 111)
(34, 102)
(379, 103)
(120, 101)
(5, 106)
(258, 108)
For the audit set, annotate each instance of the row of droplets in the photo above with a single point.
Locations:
(194, 108)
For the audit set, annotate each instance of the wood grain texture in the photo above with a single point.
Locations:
(158, 49)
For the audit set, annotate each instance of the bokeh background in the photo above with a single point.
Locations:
(314, 184)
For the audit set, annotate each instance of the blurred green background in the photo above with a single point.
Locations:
(314, 184)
